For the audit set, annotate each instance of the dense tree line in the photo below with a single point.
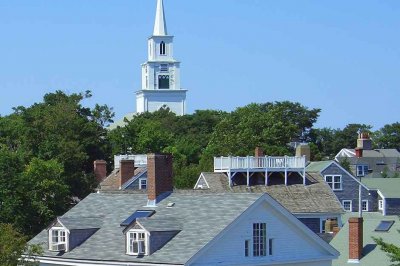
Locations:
(47, 150)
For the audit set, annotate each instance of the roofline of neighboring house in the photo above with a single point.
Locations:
(73, 262)
(290, 217)
(198, 180)
(347, 172)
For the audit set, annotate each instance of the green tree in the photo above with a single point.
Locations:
(388, 137)
(14, 250)
(269, 125)
(392, 251)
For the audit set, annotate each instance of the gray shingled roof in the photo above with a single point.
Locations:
(160, 224)
(315, 197)
(81, 222)
(215, 211)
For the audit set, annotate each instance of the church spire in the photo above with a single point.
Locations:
(160, 26)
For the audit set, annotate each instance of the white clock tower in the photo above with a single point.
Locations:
(161, 73)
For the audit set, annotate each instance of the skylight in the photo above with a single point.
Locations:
(384, 226)
(137, 214)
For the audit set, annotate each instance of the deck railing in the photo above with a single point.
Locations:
(223, 164)
(140, 159)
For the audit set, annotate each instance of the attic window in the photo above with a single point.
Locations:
(384, 226)
(57, 239)
(137, 214)
(136, 242)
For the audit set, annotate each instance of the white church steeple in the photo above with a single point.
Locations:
(161, 72)
(160, 25)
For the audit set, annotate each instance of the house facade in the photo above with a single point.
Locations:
(345, 186)
(365, 161)
(162, 226)
(306, 195)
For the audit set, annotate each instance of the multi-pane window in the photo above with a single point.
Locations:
(57, 239)
(347, 205)
(334, 181)
(136, 243)
(362, 170)
(259, 239)
(143, 183)
(365, 205)
(162, 48)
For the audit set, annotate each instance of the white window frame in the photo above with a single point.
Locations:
(333, 182)
(362, 170)
(139, 236)
(366, 205)
(140, 183)
(259, 239)
(61, 236)
(351, 205)
(380, 205)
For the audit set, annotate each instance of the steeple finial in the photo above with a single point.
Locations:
(160, 26)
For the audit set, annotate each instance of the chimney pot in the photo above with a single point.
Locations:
(100, 170)
(355, 239)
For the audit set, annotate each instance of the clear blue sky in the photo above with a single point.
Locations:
(340, 56)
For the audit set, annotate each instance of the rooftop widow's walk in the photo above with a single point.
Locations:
(260, 163)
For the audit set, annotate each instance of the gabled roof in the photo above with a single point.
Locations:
(316, 197)
(389, 187)
(202, 217)
(318, 166)
(321, 166)
(281, 215)
(373, 255)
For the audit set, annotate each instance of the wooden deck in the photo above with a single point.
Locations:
(267, 164)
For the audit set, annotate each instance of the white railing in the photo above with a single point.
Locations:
(222, 164)
(140, 159)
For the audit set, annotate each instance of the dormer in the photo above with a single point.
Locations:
(146, 235)
(64, 234)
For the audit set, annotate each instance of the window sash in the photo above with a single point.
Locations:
(365, 205)
(136, 243)
(347, 205)
(259, 239)
(334, 181)
(362, 170)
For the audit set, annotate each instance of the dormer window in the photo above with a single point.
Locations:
(57, 239)
(162, 48)
(136, 243)
(362, 170)
(142, 183)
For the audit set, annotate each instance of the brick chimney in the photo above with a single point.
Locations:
(355, 239)
(159, 176)
(364, 141)
(126, 171)
(100, 170)
(259, 152)
(359, 152)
